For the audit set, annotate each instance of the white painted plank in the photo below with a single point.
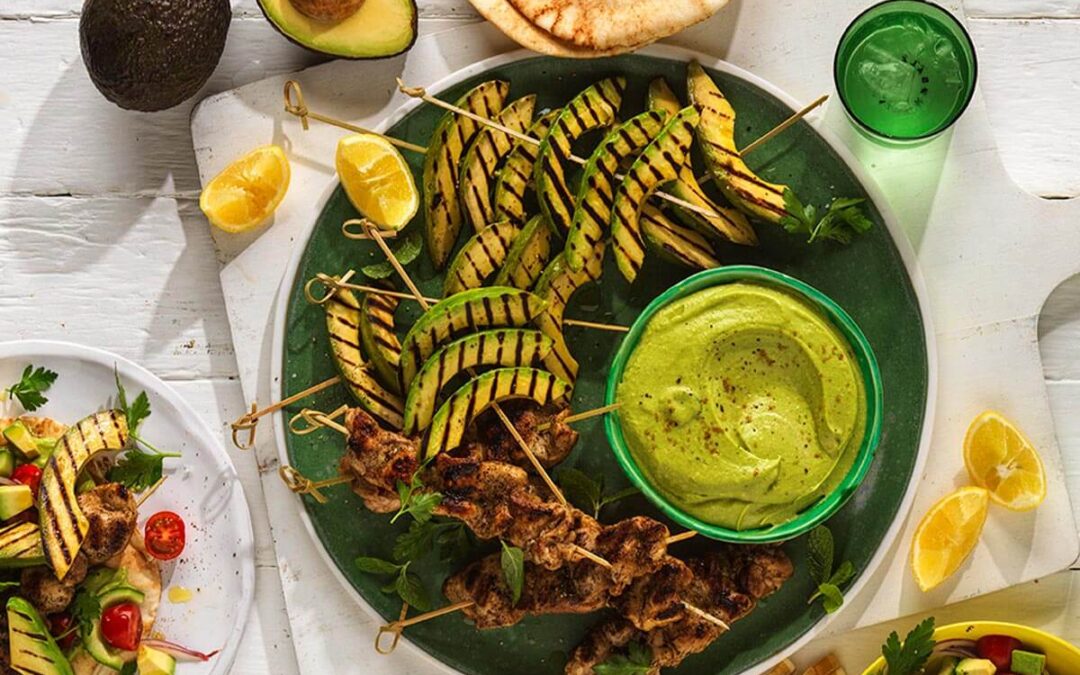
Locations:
(1024, 9)
(36, 9)
(137, 276)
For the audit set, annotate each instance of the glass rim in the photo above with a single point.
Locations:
(817, 512)
(930, 134)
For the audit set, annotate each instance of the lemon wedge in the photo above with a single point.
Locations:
(248, 191)
(999, 458)
(947, 535)
(377, 180)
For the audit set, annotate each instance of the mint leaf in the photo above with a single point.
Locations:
(411, 590)
(406, 252)
(843, 574)
(834, 599)
(637, 661)
(369, 565)
(820, 547)
(415, 542)
(580, 489)
(30, 388)
(513, 569)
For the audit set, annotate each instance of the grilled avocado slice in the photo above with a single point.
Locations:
(479, 308)
(481, 255)
(501, 347)
(33, 649)
(443, 216)
(20, 546)
(483, 156)
(716, 133)
(63, 525)
(528, 255)
(556, 286)
(516, 171)
(593, 204)
(658, 164)
(453, 418)
(593, 108)
(343, 327)
(377, 337)
(682, 245)
(662, 98)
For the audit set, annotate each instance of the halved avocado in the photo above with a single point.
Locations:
(380, 28)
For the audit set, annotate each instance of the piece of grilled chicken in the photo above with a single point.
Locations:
(111, 513)
(496, 500)
(727, 583)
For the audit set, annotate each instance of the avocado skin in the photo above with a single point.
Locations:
(151, 55)
(299, 41)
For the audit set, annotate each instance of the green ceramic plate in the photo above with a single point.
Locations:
(872, 279)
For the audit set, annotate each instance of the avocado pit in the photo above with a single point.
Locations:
(327, 11)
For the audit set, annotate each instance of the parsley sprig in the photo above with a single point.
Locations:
(821, 561)
(450, 538)
(513, 569)
(31, 387)
(911, 655)
(137, 469)
(637, 661)
(841, 221)
(588, 493)
(415, 501)
(404, 583)
(85, 611)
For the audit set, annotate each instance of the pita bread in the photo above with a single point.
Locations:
(510, 21)
(611, 24)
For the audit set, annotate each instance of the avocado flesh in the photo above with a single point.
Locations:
(379, 28)
(14, 499)
(33, 649)
(155, 662)
(24, 441)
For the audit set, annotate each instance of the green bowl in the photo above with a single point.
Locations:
(824, 508)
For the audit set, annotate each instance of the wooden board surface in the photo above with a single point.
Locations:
(68, 152)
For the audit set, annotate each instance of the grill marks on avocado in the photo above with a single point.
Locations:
(516, 172)
(716, 132)
(20, 545)
(377, 337)
(33, 649)
(481, 255)
(343, 327)
(556, 286)
(442, 163)
(595, 107)
(460, 314)
(659, 163)
(482, 157)
(502, 347)
(527, 257)
(594, 199)
(454, 416)
(674, 242)
(63, 525)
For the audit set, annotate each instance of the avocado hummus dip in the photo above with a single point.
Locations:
(742, 405)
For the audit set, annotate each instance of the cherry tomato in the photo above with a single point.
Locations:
(165, 535)
(121, 625)
(997, 649)
(61, 627)
(30, 475)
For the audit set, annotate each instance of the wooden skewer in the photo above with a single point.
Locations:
(251, 420)
(300, 109)
(396, 633)
(676, 538)
(783, 126)
(148, 492)
(578, 417)
(314, 420)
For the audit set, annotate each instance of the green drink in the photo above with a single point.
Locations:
(905, 70)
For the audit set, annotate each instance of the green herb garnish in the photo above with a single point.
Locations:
(911, 655)
(415, 501)
(637, 661)
(513, 569)
(136, 469)
(405, 584)
(841, 221)
(30, 388)
(406, 252)
(588, 493)
(423, 537)
(85, 611)
(821, 548)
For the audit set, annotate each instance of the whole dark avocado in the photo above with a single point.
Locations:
(152, 54)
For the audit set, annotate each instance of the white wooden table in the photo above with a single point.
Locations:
(102, 242)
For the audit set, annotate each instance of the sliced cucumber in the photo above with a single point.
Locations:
(516, 171)
(483, 156)
(20, 546)
(63, 525)
(503, 347)
(658, 164)
(594, 199)
(343, 328)
(443, 217)
(377, 337)
(32, 647)
(662, 98)
(454, 416)
(528, 255)
(593, 108)
(676, 243)
(463, 313)
(556, 286)
(716, 133)
(481, 255)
